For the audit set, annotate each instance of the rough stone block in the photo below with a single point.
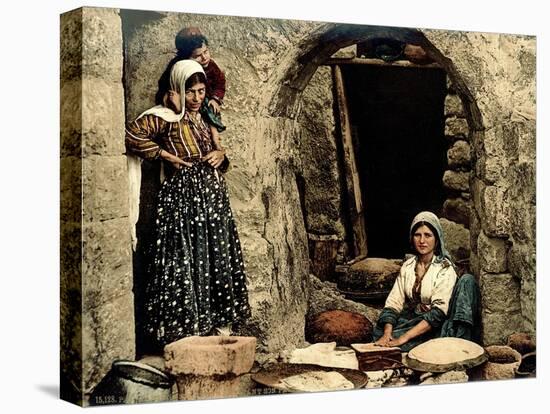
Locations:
(101, 37)
(457, 239)
(71, 304)
(107, 334)
(501, 141)
(500, 293)
(210, 355)
(490, 169)
(498, 326)
(522, 263)
(71, 255)
(495, 209)
(71, 118)
(71, 45)
(458, 181)
(492, 254)
(104, 188)
(456, 127)
(459, 155)
(71, 189)
(107, 261)
(527, 140)
(457, 210)
(102, 117)
(523, 210)
(501, 312)
(450, 377)
(453, 106)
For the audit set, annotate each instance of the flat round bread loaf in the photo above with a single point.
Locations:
(445, 354)
(316, 381)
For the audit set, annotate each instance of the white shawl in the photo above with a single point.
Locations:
(181, 71)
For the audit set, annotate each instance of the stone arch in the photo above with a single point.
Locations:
(317, 48)
(328, 39)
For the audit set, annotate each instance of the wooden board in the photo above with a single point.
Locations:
(353, 186)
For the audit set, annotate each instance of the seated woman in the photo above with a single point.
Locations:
(428, 300)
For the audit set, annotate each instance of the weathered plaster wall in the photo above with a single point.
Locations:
(499, 70)
(94, 209)
(319, 157)
(264, 152)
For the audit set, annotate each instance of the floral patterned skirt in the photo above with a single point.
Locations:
(197, 280)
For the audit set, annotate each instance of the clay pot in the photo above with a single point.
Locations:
(503, 363)
(528, 366)
(521, 342)
(130, 382)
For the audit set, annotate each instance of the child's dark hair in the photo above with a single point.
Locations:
(186, 44)
(433, 230)
(197, 77)
(187, 40)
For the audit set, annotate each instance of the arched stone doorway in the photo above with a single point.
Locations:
(459, 117)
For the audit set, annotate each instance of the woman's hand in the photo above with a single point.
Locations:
(215, 158)
(177, 162)
(174, 101)
(398, 341)
(385, 340)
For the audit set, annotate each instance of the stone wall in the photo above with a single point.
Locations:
(264, 152)
(499, 70)
(319, 157)
(71, 207)
(97, 307)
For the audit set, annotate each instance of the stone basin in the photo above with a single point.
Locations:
(210, 355)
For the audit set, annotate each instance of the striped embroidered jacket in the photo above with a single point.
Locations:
(188, 139)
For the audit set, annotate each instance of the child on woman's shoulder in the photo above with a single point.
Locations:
(192, 44)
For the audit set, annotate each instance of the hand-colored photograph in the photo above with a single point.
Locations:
(257, 206)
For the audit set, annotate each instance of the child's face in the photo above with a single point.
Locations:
(201, 55)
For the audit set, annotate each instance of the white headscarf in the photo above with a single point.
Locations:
(429, 217)
(181, 71)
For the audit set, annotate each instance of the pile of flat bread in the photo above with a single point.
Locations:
(445, 354)
(316, 381)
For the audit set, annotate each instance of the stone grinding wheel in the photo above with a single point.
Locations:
(445, 354)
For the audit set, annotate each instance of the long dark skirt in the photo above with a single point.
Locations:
(463, 317)
(197, 280)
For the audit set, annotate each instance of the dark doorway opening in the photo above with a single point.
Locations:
(397, 122)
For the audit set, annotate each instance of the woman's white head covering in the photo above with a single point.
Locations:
(181, 71)
(429, 217)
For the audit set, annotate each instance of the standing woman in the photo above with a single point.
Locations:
(426, 300)
(197, 283)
